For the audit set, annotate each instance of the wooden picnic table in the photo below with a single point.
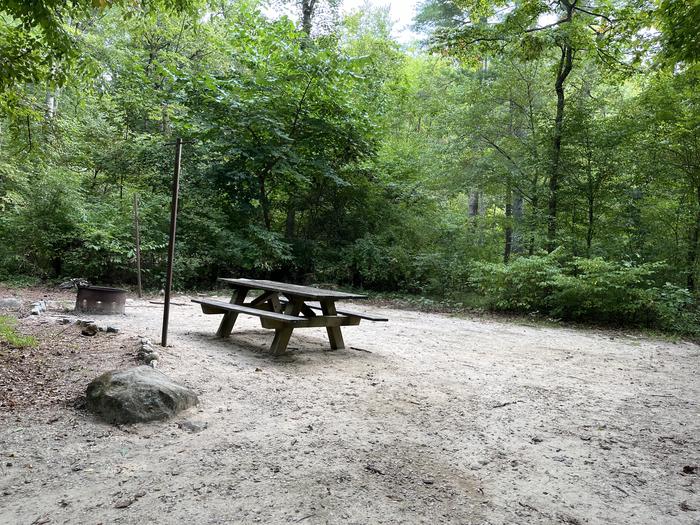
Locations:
(283, 307)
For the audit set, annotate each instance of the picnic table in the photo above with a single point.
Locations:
(283, 307)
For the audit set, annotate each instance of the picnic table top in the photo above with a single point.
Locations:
(306, 292)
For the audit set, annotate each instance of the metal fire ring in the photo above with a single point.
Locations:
(100, 300)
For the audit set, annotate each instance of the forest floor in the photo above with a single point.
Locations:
(429, 418)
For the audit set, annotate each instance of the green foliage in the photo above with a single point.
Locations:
(42, 40)
(591, 290)
(679, 20)
(599, 290)
(331, 154)
(10, 336)
(524, 285)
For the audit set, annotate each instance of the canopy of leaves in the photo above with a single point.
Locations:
(338, 156)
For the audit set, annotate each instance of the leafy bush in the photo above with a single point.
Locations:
(676, 310)
(587, 290)
(600, 290)
(524, 285)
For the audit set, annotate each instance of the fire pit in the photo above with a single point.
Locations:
(100, 300)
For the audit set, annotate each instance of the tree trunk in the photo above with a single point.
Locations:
(591, 214)
(518, 214)
(694, 237)
(474, 204)
(509, 226)
(565, 65)
(51, 104)
(290, 222)
(307, 15)
(264, 202)
(533, 222)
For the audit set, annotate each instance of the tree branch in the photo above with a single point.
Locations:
(592, 13)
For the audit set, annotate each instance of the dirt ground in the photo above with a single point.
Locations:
(426, 419)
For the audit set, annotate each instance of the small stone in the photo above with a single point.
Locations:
(192, 426)
(38, 308)
(89, 330)
(685, 507)
(65, 320)
(151, 356)
(112, 330)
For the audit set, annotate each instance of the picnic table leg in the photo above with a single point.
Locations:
(230, 317)
(282, 335)
(335, 336)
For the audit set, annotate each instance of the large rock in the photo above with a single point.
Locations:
(137, 394)
(10, 303)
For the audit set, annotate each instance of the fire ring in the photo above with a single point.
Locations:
(100, 300)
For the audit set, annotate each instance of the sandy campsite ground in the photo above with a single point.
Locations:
(425, 419)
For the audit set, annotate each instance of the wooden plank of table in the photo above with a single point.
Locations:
(292, 290)
(283, 333)
(320, 321)
(335, 336)
(230, 317)
(212, 306)
(361, 315)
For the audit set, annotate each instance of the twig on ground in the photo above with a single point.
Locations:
(501, 405)
(374, 470)
(621, 490)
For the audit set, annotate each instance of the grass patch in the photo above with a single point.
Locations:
(11, 337)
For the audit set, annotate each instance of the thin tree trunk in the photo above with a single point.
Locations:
(290, 222)
(264, 202)
(591, 217)
(693, 245)
(474, 204)
(137, 242)
(533, 221)
(565, 65)
(518, 204)
(509, 226)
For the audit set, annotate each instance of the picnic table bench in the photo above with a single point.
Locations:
(283, 307)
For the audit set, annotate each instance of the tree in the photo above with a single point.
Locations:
(537, 27)
(40, 40)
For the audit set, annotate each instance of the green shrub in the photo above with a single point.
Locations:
(524, 285)
(676, 310)
(604, 291)
(591, 290)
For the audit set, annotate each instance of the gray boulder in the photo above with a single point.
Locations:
(10, 303)
(136, 395)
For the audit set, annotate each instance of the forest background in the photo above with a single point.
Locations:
(537, 156)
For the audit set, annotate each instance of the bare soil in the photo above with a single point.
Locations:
(426, 419)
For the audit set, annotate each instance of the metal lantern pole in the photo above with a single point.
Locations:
(171, 243)
(137, 235)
